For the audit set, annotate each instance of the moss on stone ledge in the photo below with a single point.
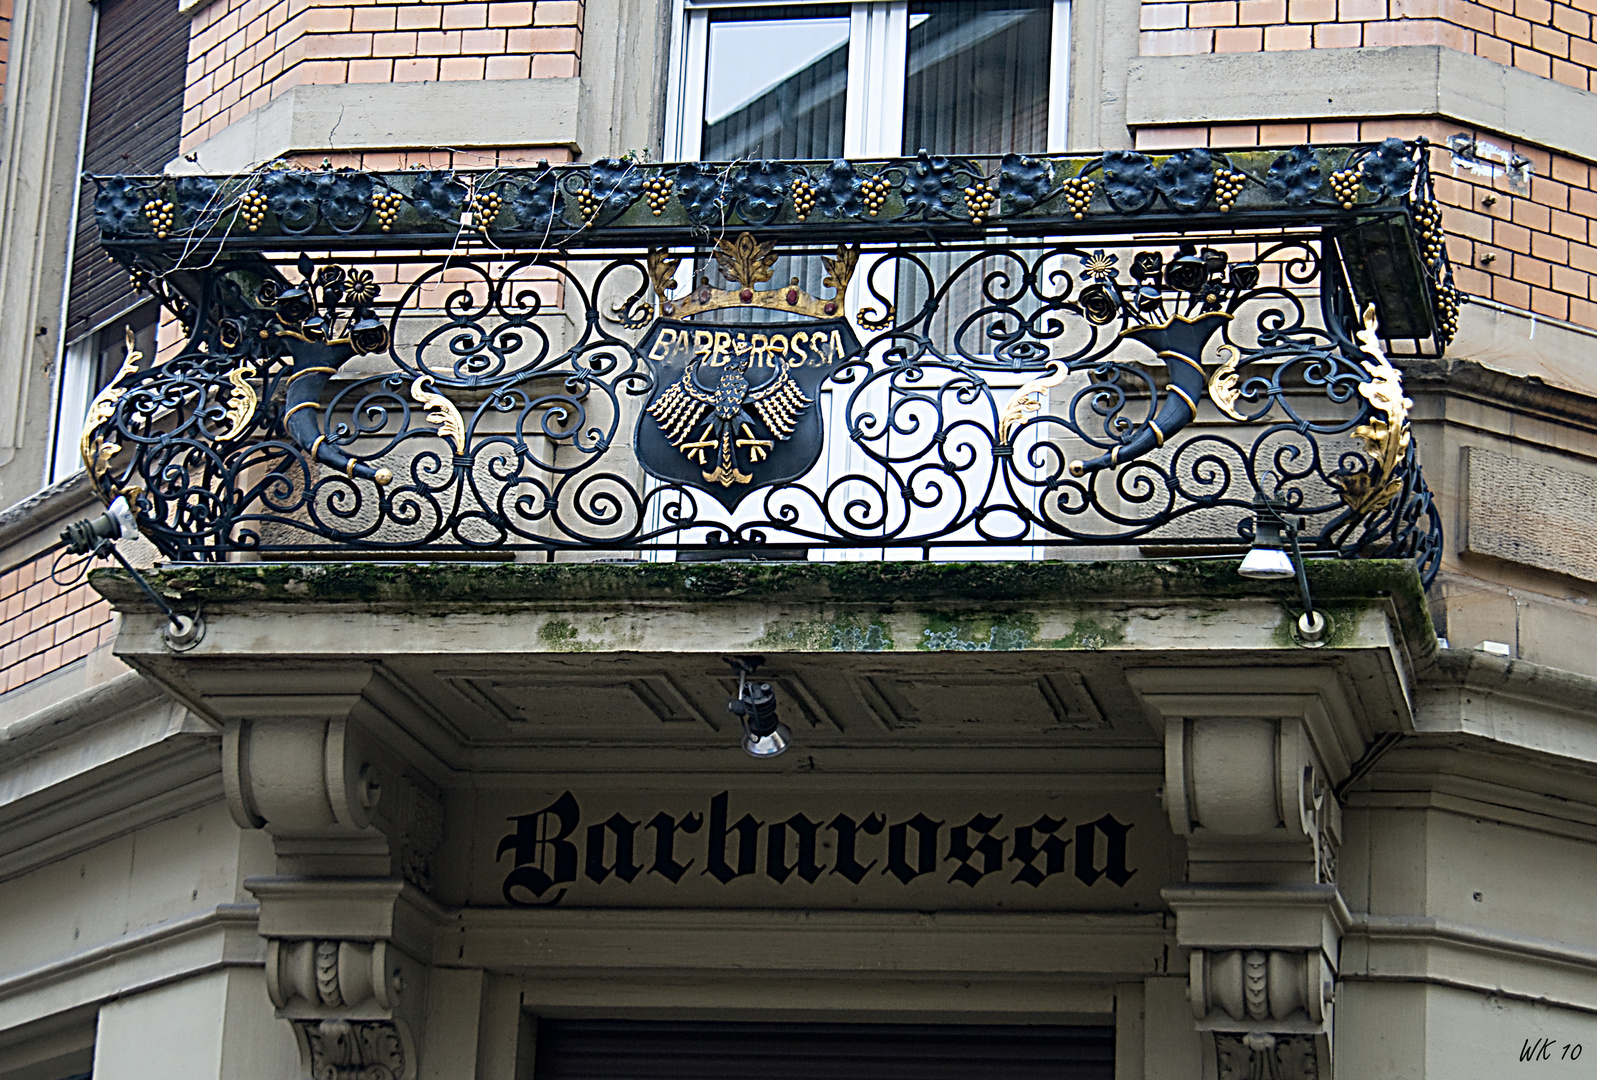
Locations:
(453, 586)
(994, 595)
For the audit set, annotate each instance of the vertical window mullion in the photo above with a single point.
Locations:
(876, 79)
(1059, 81)
(72, 404)
(685, 107)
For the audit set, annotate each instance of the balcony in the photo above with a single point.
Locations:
(921, 358)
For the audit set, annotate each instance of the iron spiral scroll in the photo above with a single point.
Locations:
(1033, 395)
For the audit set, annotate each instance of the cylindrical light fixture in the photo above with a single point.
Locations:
(763, 734)
(1267, 559)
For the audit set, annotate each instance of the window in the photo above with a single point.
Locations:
(883, 78)
(88, 365)
(868, 79)
(132, 125)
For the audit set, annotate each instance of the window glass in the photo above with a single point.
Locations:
(978, 75)
(776, 83)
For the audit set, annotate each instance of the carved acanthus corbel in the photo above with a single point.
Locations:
(340, 997)
(1260, 1055)
(355, 1050)
(344, 967)
(1266, 1010)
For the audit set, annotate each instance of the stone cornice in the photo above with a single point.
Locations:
(341, 117)
(97, 765)
(1401, 80)
(1520, 393)
(98, 703)
(1485, 960)
(26, 524)
(177, 948)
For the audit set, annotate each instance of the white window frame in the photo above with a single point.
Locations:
(74, 394)
(878, 60)
(877, 54)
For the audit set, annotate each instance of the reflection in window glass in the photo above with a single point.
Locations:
(978, 76)
(776, 83)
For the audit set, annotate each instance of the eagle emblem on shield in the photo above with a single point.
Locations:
(734, 407)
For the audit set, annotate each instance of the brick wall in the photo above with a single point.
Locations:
(5, 42)
(1551, 38)
(44, 626)
(244, 53)
(1535, 250)
(392, 160)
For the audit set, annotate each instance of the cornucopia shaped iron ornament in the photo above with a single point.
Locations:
(411, 390)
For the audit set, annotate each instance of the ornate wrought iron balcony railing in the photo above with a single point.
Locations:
(987, 358)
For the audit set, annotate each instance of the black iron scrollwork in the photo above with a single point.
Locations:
(1036, 393)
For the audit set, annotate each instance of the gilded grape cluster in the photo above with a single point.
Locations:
(1345, 185)
(803, 198)
(486, 205)
(589, 203)
(386, 205)
(1227, 188)
(160, 217)
(874, 191)
(657, 189)
(1078, 194)
(1428, 216)
(1447, 304)
(252, 209)
(979, 200)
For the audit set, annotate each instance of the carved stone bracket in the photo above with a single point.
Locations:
(1263, 1056)
(1251, 760)
(1262, 969)
(314, 977)
(1249, 769)
(355, 1050)
(1260, 984)
(311, 765)
(342, 966)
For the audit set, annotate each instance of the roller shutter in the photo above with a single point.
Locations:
(654, 1050)
(135, 120)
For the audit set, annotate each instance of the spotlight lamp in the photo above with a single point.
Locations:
(97, 537)
(1268, 560)
(764, 734)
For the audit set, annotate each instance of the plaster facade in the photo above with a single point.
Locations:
(385, 819)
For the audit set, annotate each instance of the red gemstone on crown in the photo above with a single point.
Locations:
(746, 295)
(830, 308)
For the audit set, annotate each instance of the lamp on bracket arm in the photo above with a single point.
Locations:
(764, 734)
(1268, 560)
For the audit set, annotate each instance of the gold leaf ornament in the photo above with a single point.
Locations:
(441, 412)
(94, 449)
(840, 268)
(241, 401)
(662, 272)
(1029, 399)
(746, 260)
(1385, 437)
(1225, 385)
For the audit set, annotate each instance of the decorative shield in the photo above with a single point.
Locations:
(734, 407)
